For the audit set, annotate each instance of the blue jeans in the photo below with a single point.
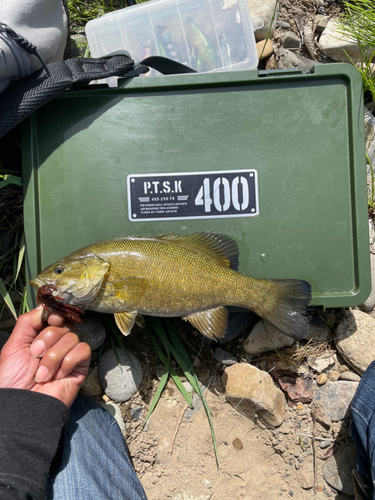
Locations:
(363, 425)
(94, 461)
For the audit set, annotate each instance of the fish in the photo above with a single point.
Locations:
(190, 276)
(200, 42)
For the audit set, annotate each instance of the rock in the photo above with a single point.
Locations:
(224, 357)
(253, 393)
(135, 413)
(115, 411)
(369, 303)
(334, 44)
(337, 470)
(288, 59)
(354, 339)
(323, 363)
(299, 389)
(291, 41)
(91, 386)
(264, 49)
(237, 323)
(263, 339)
(321, 23)
(347, 375)
(265, 10)
(78, 46)
(319, 333)
(92, 332)
(4, 336)
(187, 496)
(322, 379)
(305, 476)
(325, 444)
(283, 24)
(333, 376)
(336, 398)
(372, 237)
(120, 383)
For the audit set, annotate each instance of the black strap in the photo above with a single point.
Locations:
(25, 95)
(166, 66)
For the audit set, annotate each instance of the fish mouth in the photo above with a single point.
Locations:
(36, 283)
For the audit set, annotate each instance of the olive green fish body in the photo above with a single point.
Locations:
(189, 276)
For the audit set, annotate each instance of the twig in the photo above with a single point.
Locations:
(170, 449)
(313, 407)
(318, 439)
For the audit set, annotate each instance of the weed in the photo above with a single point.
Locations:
(358, 23)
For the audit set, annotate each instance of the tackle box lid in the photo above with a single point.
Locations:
(275, 160)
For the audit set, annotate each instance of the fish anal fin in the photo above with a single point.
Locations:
(211, 323)
(132, 287)
(125, 321)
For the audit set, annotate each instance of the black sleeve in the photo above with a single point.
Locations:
(30, 428)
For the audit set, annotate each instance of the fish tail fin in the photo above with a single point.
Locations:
(286, 307)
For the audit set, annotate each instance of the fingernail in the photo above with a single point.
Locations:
(37, 348)
(59, 375)
(42, 374)
(40, 306)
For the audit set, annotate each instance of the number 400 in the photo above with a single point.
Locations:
(224, 198)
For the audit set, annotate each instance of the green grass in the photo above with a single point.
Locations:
(171, 342)
(358, 23)
(83, 11)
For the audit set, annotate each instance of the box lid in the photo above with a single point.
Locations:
(104, 163)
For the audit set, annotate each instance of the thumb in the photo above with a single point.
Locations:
(27, 328)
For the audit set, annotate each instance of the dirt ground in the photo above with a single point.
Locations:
(174, 455)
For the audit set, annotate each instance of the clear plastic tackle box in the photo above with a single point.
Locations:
(207, 35)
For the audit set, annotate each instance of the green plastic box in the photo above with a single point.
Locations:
(275, 160)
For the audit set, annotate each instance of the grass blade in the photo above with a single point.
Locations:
(159, 390)
(7, 299)
(166, 363)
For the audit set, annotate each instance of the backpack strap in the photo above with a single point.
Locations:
(166, 66)
(25, 95)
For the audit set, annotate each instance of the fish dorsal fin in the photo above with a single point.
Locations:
(211, 323)
(220, 247)
(133, 286)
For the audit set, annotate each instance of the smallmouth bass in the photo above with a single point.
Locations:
(191, 276)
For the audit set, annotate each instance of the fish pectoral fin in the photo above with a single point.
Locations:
(125, 321)
(211, 323)
(132, 286)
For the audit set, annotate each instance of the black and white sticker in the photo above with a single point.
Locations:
(193, 195)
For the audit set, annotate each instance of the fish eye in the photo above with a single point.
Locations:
(59, 270)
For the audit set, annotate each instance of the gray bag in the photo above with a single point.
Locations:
(44, 24)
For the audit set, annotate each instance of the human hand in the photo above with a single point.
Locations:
(44, 358)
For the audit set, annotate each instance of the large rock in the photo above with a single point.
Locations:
(252, 392)
(369, 303)
(264, 9)
(354, 339)
(334, 44)
(336, 398)
(91, 386)
(264, 337)
(337, 470)
(120, 383)
(92, 332)
(291, 60)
